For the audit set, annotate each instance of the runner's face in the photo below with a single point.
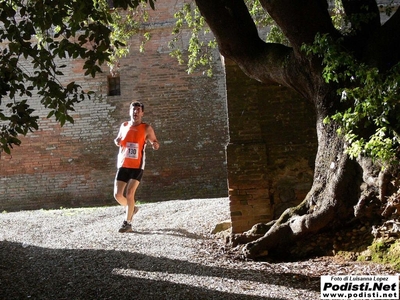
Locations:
(136, 113)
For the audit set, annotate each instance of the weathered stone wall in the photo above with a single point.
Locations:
(271, 151)
(75, 165)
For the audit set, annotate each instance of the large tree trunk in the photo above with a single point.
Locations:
(335, 190)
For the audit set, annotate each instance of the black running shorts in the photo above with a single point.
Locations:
(125, 174)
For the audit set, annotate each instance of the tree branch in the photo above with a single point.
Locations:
(363, 14)
(233, 27)
(238, 40)
(301, 20)
(391, 40)
(383, 49)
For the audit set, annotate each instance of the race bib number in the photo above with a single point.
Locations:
(132, 150)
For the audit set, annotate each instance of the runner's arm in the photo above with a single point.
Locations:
(151, 137)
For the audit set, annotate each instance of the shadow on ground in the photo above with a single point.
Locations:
(30, 272)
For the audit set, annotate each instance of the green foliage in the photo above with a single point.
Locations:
(39, 35)
(125, 24)
(275, 35)
(199, 46)
(349, 25)
(263, 20)
(198, 54)
(338, 16)
(260, 17)
(370, 120)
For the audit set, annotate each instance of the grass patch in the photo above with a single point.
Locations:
(383, 251)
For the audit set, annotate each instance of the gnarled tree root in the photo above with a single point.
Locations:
(288, 228)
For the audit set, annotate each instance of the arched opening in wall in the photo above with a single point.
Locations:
(114, 85)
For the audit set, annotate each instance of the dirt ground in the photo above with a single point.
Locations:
(171, 254)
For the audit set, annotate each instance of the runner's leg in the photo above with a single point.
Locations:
(119, 187)
(130, 197)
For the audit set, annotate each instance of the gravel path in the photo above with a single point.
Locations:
(79, 254)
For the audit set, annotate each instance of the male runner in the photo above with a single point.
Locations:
(131, 140)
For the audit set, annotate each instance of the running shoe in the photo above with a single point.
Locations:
(126, 227)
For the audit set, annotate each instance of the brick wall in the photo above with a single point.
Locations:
(75, 165)
(271, 151)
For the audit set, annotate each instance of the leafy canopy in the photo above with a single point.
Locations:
(37, 36)
(370, 124)
(370, 121)
(199, 54)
